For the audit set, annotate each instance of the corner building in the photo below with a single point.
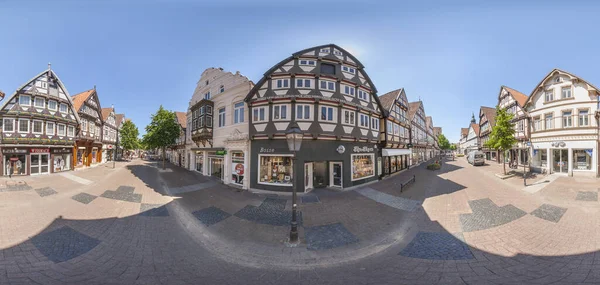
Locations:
(327, 92)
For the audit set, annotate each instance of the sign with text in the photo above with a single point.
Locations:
(221, 152)
(363, 149)
(61, 150)
(40, 150)
(266, 150)
(14, 151)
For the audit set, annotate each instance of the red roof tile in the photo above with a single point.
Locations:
(519, 97)
(79, 99)
(387, 99)
(106, 113)
(181, 119)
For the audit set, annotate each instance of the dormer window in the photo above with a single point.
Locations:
(557, 80)
(307, 62)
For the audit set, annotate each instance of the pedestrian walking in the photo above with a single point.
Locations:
(9, 169)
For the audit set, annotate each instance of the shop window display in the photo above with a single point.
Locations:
(363, 166)
(238, 168)
(62, 162)
(394, 163)
(80, 156)
(275, 170)
(582, 159)
(94, 155)
(199, 162)
(17, 164)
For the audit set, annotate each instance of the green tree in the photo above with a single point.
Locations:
(162, 131)
(443, 142)
(129, 136)
(453, 147)
(502, 137)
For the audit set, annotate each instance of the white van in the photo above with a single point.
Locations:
(476, 157)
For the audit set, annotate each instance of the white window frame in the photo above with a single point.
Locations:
(562, 92)
(333, 114)
(327, 85)
(547, 94)
(301, 83)
(66, 108)
(238, 113)
(337, 52)
(257, 109)
(35, 101)
(362, 93)
(71, 132)
(207, 95)
(58, 129)
(279, 108)
(28, 100)
(52, 128)
(284, 82)
(19, 126)
(275, 184)
(4, 125)
(348, 69)
(325, 50)
(41, 126)
(351, 117)
(587, 118)
(55, 106)
(221, 117)
(375, 123)
(310, 112)
(349, 90)
(309, 62)
(568, 119)
(352, 166)
(366, 118)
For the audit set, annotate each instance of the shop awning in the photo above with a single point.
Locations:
(394, 152)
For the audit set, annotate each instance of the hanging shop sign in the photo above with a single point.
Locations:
(14, 151)
(239, 169)
(221, 152)
(340, 149)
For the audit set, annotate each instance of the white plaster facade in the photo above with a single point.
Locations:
(472, 141)
(561, 110)
(230, 128)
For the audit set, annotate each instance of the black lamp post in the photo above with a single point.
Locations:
(294, 137)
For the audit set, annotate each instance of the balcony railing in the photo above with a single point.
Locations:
(564, 122)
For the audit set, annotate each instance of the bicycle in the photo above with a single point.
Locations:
(513, 165)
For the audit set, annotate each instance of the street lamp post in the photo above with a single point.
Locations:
(294, 137)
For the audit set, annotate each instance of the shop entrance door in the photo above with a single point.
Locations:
(561, 160)
(320, 174)
(308, 176)
(216, 167)
(335, 174)
(40, 164)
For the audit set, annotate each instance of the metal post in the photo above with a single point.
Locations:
(294, 223)
(116, 148)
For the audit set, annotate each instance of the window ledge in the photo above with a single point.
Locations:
(559, 100)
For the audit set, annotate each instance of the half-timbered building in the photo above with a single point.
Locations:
(513, 102)
(119, 120)
(109, 134)
(487, 121)
(88, 149)
(38, 127)
(327, 92)
(416, 115)
(395, 132)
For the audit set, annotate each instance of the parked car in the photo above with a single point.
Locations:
(476, 158)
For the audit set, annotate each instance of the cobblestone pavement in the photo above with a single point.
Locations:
(463, 226)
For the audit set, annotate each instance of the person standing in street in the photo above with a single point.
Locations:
(9, 169)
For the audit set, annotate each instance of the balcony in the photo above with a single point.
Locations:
(202, 122)
(571, 122)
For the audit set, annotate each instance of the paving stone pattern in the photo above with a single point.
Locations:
(271, 212)
(153, 210)
(123, 193)
(16, 187)
(211, 215)
(46, 191)
(549, 212)
(84, 198)
(63, 244)
(587, 196)
(328, 236)
(389, 200)
(307, 199)
(438, 246)
(487, 215)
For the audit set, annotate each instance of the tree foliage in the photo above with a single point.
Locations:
(162, 131)
(503, 133)
(443, 142)
(129, 136)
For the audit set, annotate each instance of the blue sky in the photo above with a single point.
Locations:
(454, 55)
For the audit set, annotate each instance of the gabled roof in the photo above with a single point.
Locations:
(106, 113)
(475, 128)
(79, 99)
(518, 96)
(181, 119)
(387, 99)
(490, 114)
(464, 132)
(412, 109)
(119, 119)
(552, 73)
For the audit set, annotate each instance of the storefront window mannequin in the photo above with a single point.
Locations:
(294, 137)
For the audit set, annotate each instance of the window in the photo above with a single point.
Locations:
(283, 83)
(23, 125)
(238, 113)
(280, 112)
(303, 83)
(520, 126)
(37, 127)
(303, 112)
(221, 117)
(327, 113)
(537, 124)
(8, 125)
(64, 108)
(363, 166)
(549, 95)
(40, 102)
(60, 129)
(209, 122)
(348, 69)
(276, 170)
(50, 128)
(202, 110)
(71, 132)
(566, 92)
(582, 159)
(375, 123)
(390, 128)
(364, 121)
(349, 117)
(324, 50)
(222, 89)
(584, 119)
(52, 105)
(549, 123)
(363, 95)
(201, 122)
(327, 85)
(567, 119)
(337, 52)
(327, 68)
(349, 90)
(258, 114)
(209, 110)
(25, 100)
(206, 82)
(207, 95)
(307, 62)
